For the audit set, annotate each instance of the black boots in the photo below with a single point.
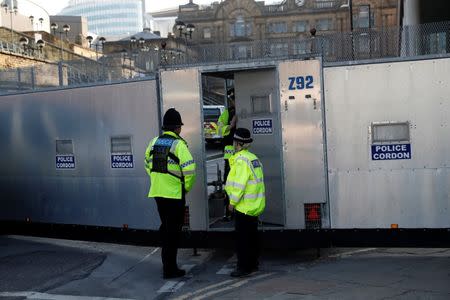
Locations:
(240, 273)
(174, 274)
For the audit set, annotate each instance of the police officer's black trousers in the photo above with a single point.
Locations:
(226, 171)
(247, 242)
(171, 213)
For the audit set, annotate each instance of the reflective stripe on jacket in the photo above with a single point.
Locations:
(164, 184)
(245, 183)
(228, 151)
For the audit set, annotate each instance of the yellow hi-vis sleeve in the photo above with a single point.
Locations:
(187, 165)
(237, 180)
(222, 122)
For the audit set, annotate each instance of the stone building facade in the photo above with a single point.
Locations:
(285, 28)
(249, 20)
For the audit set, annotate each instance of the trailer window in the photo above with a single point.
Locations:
(121, 144)
(390, 132)
(64, 147)
(261, 104)
(211, 114)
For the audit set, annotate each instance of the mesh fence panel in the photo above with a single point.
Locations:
(361, 44)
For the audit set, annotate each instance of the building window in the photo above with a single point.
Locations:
(240, 28)
(362, 42)
(325, 3)
(277, 27)
(302, 47)
(321, 45)
(324, 24)
(390, 132)
(260, 104)
(64, 147)
(279, 49)
(361, 19)
(206, 33)
(300, 26)
(240, 52)
(363, 16)
(437, 43)
(121, 145)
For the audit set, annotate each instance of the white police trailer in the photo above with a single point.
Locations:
(353, 154)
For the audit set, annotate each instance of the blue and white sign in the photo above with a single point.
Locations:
(301, 82)
(65, 161)
(391, 152)
(122, 161)
(262, 126)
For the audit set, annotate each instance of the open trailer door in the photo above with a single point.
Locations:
(302, 118)
(181, 89)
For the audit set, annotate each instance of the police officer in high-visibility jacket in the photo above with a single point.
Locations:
(172, 174)
(246, 190)
(226, 126)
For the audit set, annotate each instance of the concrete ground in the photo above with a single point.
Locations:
(40, 268)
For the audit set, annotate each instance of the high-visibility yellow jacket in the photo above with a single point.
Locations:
(245, 183)
(223, 124)
(180, 167)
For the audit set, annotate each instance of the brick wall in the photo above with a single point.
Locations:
(8, 61)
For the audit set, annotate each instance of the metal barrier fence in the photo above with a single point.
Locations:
(44, 74)
(361, 44)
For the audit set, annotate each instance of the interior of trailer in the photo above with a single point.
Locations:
(256, 98)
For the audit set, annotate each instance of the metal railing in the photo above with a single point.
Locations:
(7, 47)
(361, 44)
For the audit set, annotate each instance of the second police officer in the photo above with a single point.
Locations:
(246, 191)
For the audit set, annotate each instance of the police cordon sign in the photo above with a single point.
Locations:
(262, 126)
(65, 161)
(122, 161)
(391, 151)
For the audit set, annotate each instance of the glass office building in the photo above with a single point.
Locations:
(109, 17)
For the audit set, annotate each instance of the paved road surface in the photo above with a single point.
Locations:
(39, 268)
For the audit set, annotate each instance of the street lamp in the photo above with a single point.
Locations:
(53, 27)
(349, 5)
(11, 11)
(180, 26)
(123, 53)
(41, 20)
(23, 41)
(66, 29)
(163, 52)
(25, 44)
(186, 31)
(141, 42)
(133, 42)
(40, 45)
(101, 41)
(145, 61)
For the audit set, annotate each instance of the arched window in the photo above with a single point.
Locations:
(240, 27)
